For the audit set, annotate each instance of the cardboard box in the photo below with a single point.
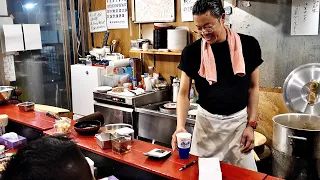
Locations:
(14, 144)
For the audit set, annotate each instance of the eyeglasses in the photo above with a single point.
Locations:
(208, 29)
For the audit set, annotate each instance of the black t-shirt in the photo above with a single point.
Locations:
(230, 93)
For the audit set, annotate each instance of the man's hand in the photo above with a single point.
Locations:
(174, 137)
(247, 140)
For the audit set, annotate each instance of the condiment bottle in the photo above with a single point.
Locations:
(134, 83)
(148, 84)
(140, 85)
(142, 79)
(151, 70)
(175, 90)
(130, 86)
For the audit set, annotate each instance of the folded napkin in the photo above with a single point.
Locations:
(209, 168)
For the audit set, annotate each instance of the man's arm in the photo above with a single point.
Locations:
(183, 102)
(183, 106)
(248, 135)
(253, 96)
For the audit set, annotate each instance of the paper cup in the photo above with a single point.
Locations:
(184, 144)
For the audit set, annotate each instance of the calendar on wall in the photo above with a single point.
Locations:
(117, 14)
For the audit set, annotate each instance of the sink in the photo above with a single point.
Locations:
(159, 126)
(155, 110)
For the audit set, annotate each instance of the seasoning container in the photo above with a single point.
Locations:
(121, 145)
(148, 84)
(134, 83)
(151, 70)
(142, 79)
(140, 85)
(26, 106)
(125, 132)
(145, 46)
(175, 89)
(130, 86)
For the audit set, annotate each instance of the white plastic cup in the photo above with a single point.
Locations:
(184, 144)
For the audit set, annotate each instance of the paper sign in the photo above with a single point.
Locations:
(305, 17)
(98, 21)
(3, 8)
(209, 168)
(117, 14)
(4, 20)
(9, 70)
(186, 9)
(13, 37)
(32, 36)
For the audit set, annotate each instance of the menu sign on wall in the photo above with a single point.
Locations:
(186, 9)
(305, 17)
(117, 14)
(98, 21)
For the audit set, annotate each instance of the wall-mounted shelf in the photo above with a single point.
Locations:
(156, 52)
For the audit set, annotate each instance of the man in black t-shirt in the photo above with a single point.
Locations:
(227, 110)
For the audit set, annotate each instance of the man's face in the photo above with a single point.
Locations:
(209, 27)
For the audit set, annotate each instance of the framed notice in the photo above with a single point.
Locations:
(150, 11)
(117, 14)
(98, 21)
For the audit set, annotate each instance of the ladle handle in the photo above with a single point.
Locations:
(298, 138)
(313, 92)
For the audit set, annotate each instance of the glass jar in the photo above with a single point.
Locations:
(121, 145)
(62, 126)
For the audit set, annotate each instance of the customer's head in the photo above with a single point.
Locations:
(209, 18)
(48, 158)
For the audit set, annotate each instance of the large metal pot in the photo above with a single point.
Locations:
(296, 146)
(5, 94)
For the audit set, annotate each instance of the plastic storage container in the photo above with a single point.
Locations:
(62, 126)
(113, 80)
(121, 145)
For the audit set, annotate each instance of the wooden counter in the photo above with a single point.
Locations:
(168, 168)
(33, 119)
(272, 178)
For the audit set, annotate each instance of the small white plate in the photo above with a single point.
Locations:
(104, 88)
(170, 106)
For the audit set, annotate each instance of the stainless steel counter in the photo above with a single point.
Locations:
(159, 126)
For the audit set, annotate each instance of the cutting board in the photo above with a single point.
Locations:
(59, 111)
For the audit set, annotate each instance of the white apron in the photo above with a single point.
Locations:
(220, 136)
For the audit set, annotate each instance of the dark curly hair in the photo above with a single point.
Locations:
(214, 6)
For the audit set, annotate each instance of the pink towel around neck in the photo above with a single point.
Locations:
(208, 65)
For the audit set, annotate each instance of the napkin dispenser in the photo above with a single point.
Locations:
(13, 141)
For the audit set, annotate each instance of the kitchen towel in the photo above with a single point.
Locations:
(208, 65)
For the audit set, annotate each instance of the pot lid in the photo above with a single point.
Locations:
(301, 90)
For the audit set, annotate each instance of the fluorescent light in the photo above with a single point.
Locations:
(30, 5)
